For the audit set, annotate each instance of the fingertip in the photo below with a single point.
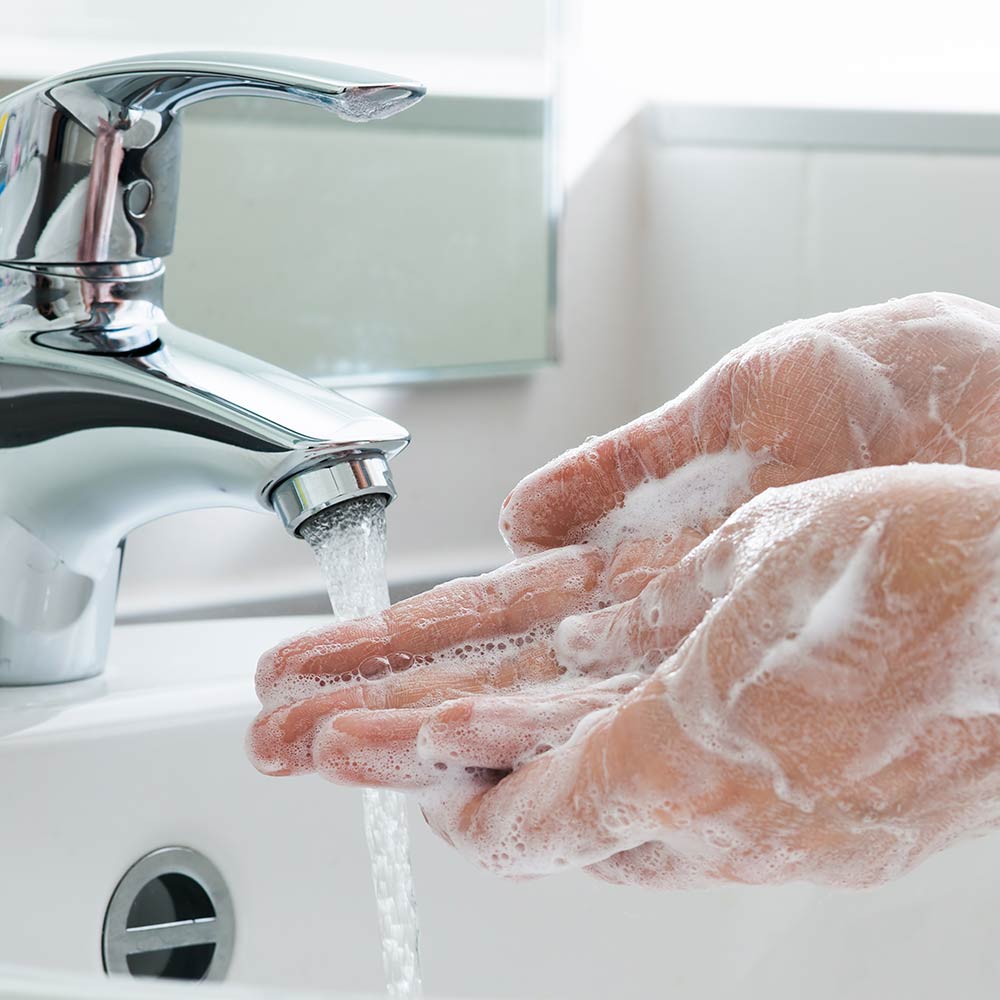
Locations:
(439, 830)
(270, 667)
(519, 543)
(374, 749)
(293, 669)
(275, 748)
(526, 511)
(285, 659)
(280, 739)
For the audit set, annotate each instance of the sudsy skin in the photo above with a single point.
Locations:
(686, 676)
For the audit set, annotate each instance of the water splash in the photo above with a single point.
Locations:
(349, 543)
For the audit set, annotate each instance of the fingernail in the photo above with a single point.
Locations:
(381, 726)
(295, 722)
(400, 661)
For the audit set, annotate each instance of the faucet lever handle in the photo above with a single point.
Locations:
(89, 160)
(165, 83)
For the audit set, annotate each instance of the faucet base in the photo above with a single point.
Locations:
(53, 620)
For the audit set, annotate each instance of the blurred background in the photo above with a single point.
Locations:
(594, 203)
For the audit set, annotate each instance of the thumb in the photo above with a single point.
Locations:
(639, 634)
(569, 808)
(557, 504)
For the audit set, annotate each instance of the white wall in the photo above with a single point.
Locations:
(739, 239)
(78, 32)
(850, 54)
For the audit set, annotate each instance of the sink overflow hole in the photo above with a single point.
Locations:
(171, 917)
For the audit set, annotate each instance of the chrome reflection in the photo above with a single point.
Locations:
(110, 416)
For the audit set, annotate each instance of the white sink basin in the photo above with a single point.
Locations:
(95, 775)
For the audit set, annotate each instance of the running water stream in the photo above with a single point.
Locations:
(348, 541)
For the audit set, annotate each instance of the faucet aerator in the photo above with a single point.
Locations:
(305, 494)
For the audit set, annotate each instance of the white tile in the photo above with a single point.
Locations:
(722, 253)
(887, 224)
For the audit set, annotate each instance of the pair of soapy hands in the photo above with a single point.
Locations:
(744, 638)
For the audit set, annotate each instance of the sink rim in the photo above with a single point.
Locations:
(157, 674)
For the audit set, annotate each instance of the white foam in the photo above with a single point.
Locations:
(823, 618)
(697, 495)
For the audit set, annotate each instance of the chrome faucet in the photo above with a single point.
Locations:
(110, 416)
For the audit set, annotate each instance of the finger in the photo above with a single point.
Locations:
(571, 807)
(280, 740)
(557, 504)
(502, 733)
(652, 865)
(638, 635)
(413, 748)
(635, 636)
(637, 561)
(375, 749)
(512, 600)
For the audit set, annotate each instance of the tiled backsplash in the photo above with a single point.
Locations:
(761, 217)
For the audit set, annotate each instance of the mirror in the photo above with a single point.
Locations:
(415, 247)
